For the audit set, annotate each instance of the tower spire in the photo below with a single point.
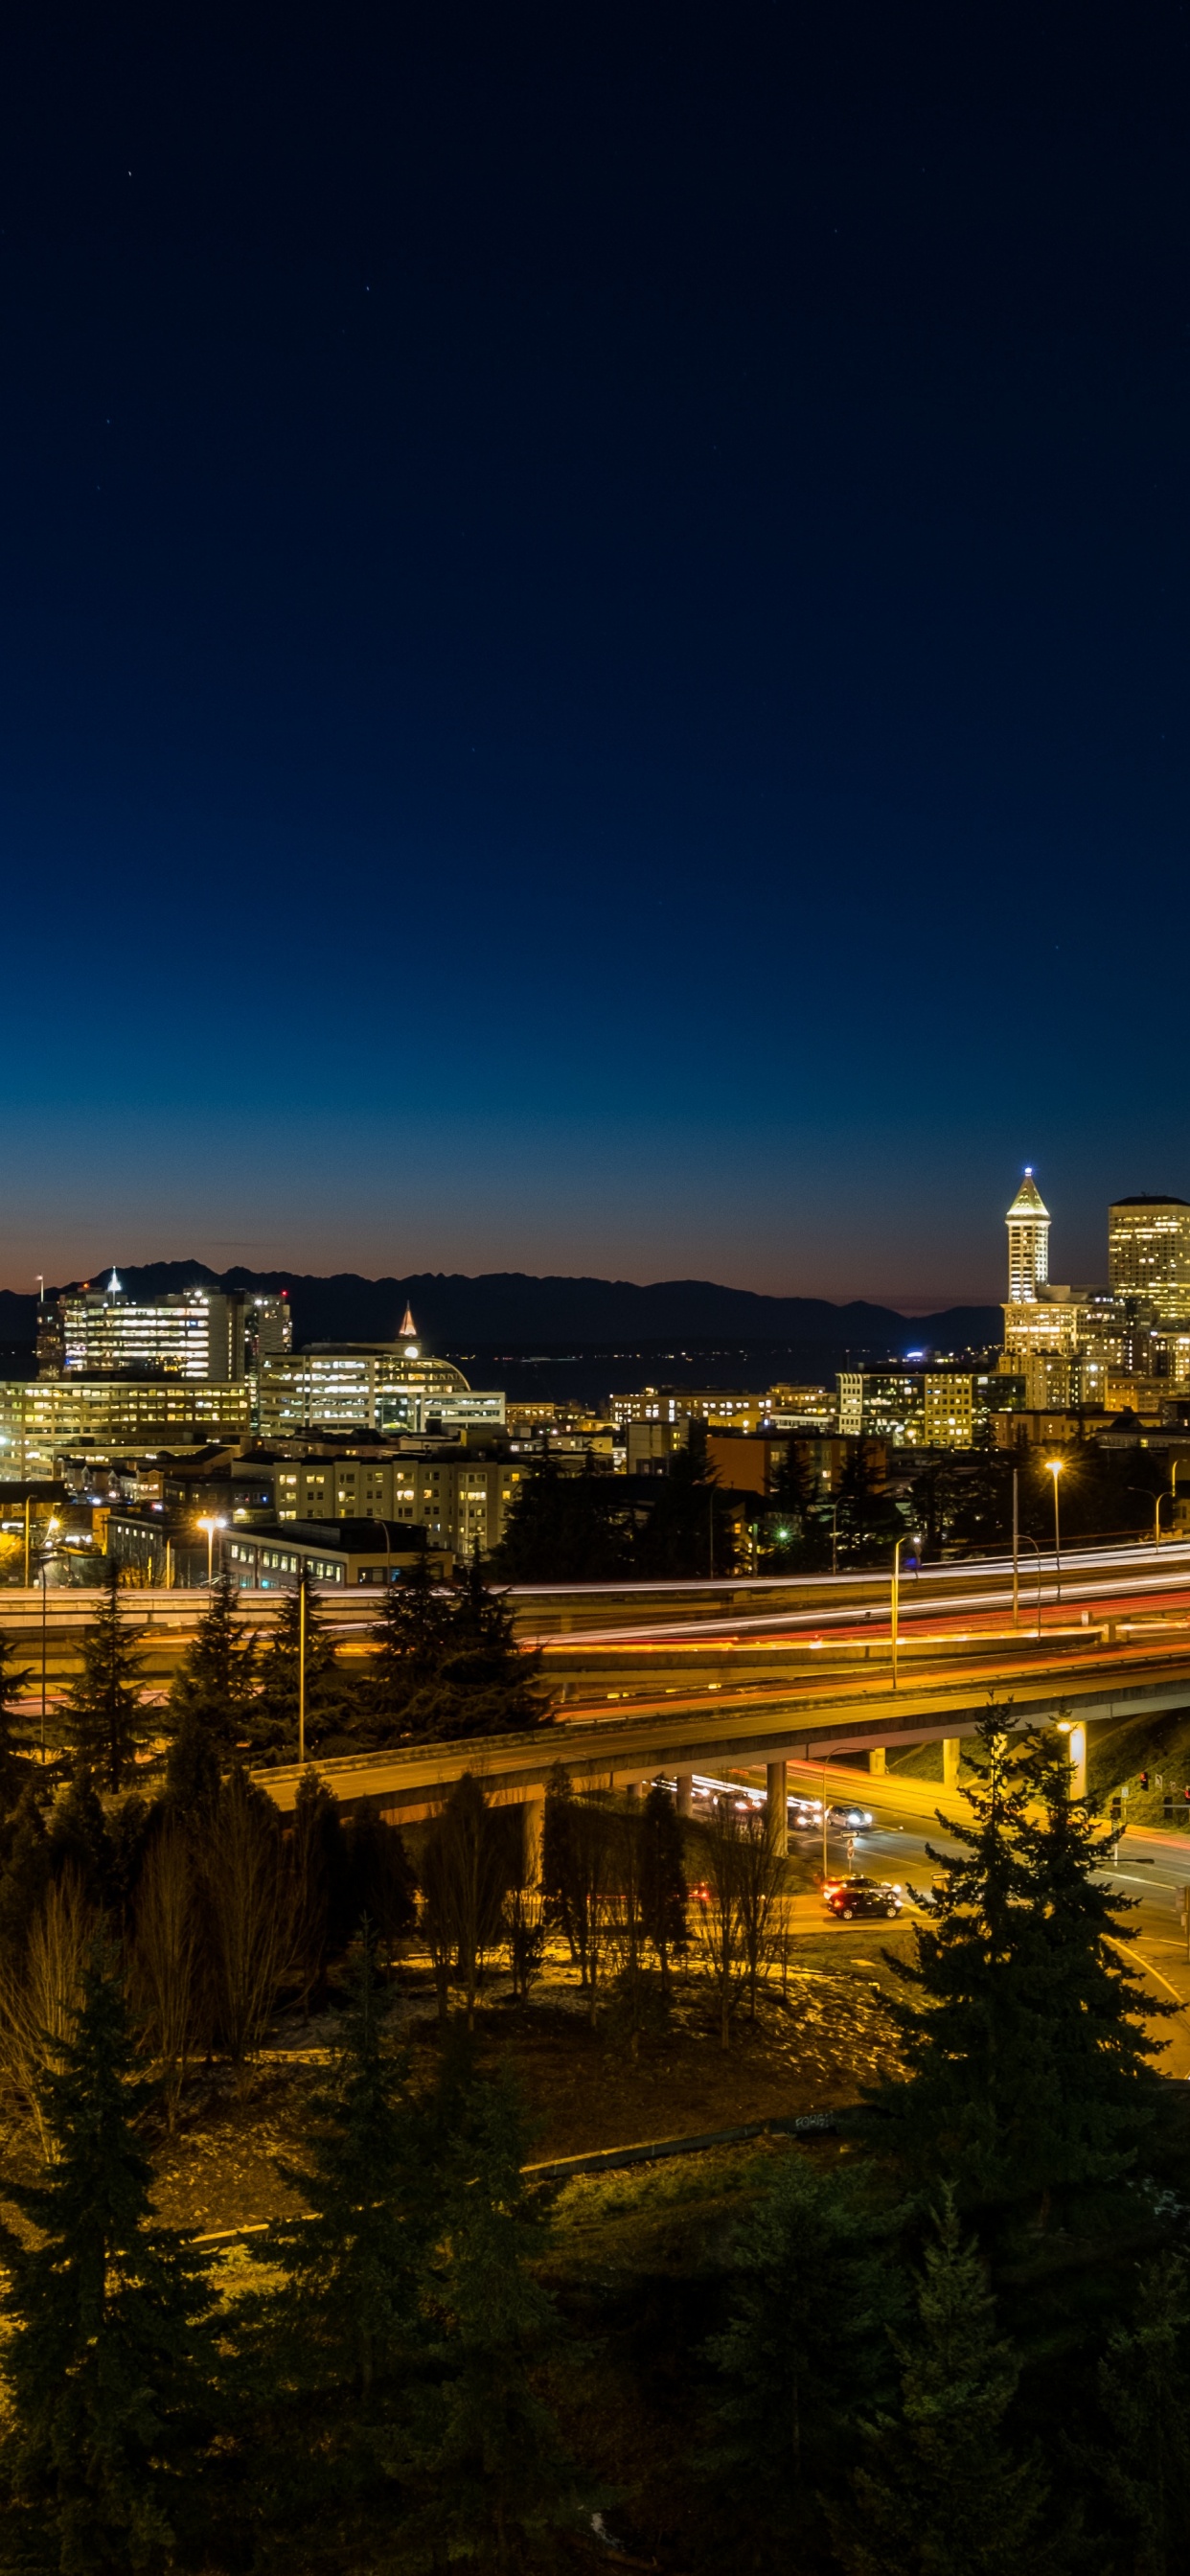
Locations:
(1028, 1222)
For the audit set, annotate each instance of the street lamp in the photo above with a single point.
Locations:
(212, 1523)
(1026, 1541)
(1173, 1495)
(896, 1599)
(44, 1555)
(1055, 1466)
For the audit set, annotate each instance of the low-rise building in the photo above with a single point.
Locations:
(44, 1419)
(461, 1496)
(345, 1553)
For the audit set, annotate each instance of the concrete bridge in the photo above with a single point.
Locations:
(1088, 1682)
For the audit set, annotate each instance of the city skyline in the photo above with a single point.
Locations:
(589, 644)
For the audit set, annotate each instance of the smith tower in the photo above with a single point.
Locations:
(1028, 1223)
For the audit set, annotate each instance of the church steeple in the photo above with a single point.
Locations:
(1028, 1222)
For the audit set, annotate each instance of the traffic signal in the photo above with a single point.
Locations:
(1144, 1779)
(1186, 1796)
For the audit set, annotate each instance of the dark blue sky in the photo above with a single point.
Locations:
(593, 608)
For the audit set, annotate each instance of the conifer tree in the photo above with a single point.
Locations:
(381, 1887)
(941, 2494)
(26, 1871)
(14, 1759)
(216, 1680)
(486, 2475)
(105, 1720)
(1026, 2073)
(109, 2361)
(976, 2066)
(806, 2347)
(317, 1866)
(345, 2327)
(663, 1890)
(411, 1634)
(273, 1714)
(1083, 1989)
(1141, 2460)
(690, 1530)
(484, 1681)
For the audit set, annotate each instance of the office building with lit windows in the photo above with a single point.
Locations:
(1148, 1246)
(195, 1333)
(373, 1386)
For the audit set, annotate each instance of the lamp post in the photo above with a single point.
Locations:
(303, 1586)
(1173, 1495)
(44, 1555)
(1016, 1548)
(212, 1523)
(1031, 1542)
(1055, 1466)
(388, 1544)
(896, 1601)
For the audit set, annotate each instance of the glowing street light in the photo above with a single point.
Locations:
(1055, 1466)
(212, 1523)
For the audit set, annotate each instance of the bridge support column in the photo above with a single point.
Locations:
(776, 1807)
(1077, 1742)
(950, 1760)
(877, 1761)
(532, 1820)
(685, 1793)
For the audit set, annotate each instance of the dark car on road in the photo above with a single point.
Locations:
(848, 1896)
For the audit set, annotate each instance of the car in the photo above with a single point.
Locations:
(857, 1819)
(847, 1896)
(805, 1815)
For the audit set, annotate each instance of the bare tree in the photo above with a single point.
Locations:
(465, 1876)
(249, 1911)
(734, 1904)
(40, 1990)
(167, 1962)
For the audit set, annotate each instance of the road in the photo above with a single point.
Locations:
(1153, 1871)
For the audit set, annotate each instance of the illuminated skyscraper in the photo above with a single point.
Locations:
(1028, 1223)
(1149, 1253)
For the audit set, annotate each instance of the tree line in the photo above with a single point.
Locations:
(953, 2340)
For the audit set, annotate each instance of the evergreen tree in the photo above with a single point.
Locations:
(806, 2347)
(1141, 2460)
(486, 2474)
(411, 1634)
(484, 1682)
(663, 1890)
(690, 1531)
(318, 1870)
(1025, 2074)
(381, 1888)
(14, 1757)
(564, 1529)
(109, 2361)
(1084, 1989)
(192, 1772)
(869, 1523)
(977, 2079)
(345, 2328)
(105, 1718)
(941, 2494)
(79, 1836)
(216, 1680)
(26, 1871)
(273, 1714)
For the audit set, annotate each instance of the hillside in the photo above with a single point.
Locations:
(509, 1311)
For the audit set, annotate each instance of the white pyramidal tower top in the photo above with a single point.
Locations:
(408, 1331)
(114, 1286)
(1028, 1222)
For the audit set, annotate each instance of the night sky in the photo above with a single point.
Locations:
(594, 633)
